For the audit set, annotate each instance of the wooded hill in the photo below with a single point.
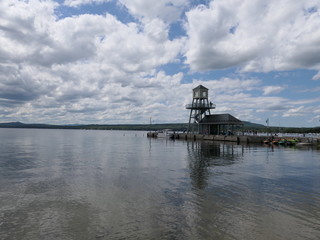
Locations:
(248, 126)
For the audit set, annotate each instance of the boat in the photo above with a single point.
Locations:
(282, 141)
(266, 141)
(152, 134)
(165, 133)
(292, 141)
(304, 144)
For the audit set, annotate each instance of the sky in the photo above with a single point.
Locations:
(126, 61)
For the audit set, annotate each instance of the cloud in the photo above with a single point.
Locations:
(78, 3)
(23, 27)
(303, 111)
(90, 68)
(272, 90)
(83, 68)
(316, 77)
(306, 101)
(294, 112)
(315, 120)
(23, 83)
(167, 10)
(234, 85)
(254, 36)
(239, 98)
(45, 40)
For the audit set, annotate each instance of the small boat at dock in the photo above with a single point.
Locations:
(165, 133)
(266, 141)
(292, 141)
(282, 141)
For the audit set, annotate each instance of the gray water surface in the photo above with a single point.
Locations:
(77, 184)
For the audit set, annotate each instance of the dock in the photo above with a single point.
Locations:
(234, 138)
(238, 138)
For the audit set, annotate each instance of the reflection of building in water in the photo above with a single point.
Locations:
(204, 155)
(203, 122)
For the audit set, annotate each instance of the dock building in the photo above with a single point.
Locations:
(201, 121)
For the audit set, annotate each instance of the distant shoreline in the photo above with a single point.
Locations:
(142, 127)
(248, 126)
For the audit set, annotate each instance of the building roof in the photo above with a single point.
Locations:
(200, 87)
(221, 119)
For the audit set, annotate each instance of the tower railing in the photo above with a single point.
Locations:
(201, 106)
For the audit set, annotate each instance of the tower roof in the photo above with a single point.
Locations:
(200, 87)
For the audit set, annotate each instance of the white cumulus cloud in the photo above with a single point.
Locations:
(80, 67)
(254, 35)
(77, 3)
(272, 90)
(167, 10)
(90, 68)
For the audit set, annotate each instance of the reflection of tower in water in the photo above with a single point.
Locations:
(205, 155)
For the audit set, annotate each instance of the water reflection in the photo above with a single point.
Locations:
(257, 190)
(110, 185)
(205, 154)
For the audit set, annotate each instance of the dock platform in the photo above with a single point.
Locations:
(237, 138)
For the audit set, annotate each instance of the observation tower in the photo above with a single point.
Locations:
(199, 108)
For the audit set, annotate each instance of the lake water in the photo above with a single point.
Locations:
(77, 184)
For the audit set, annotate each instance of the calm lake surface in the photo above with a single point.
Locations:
(76, 184)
